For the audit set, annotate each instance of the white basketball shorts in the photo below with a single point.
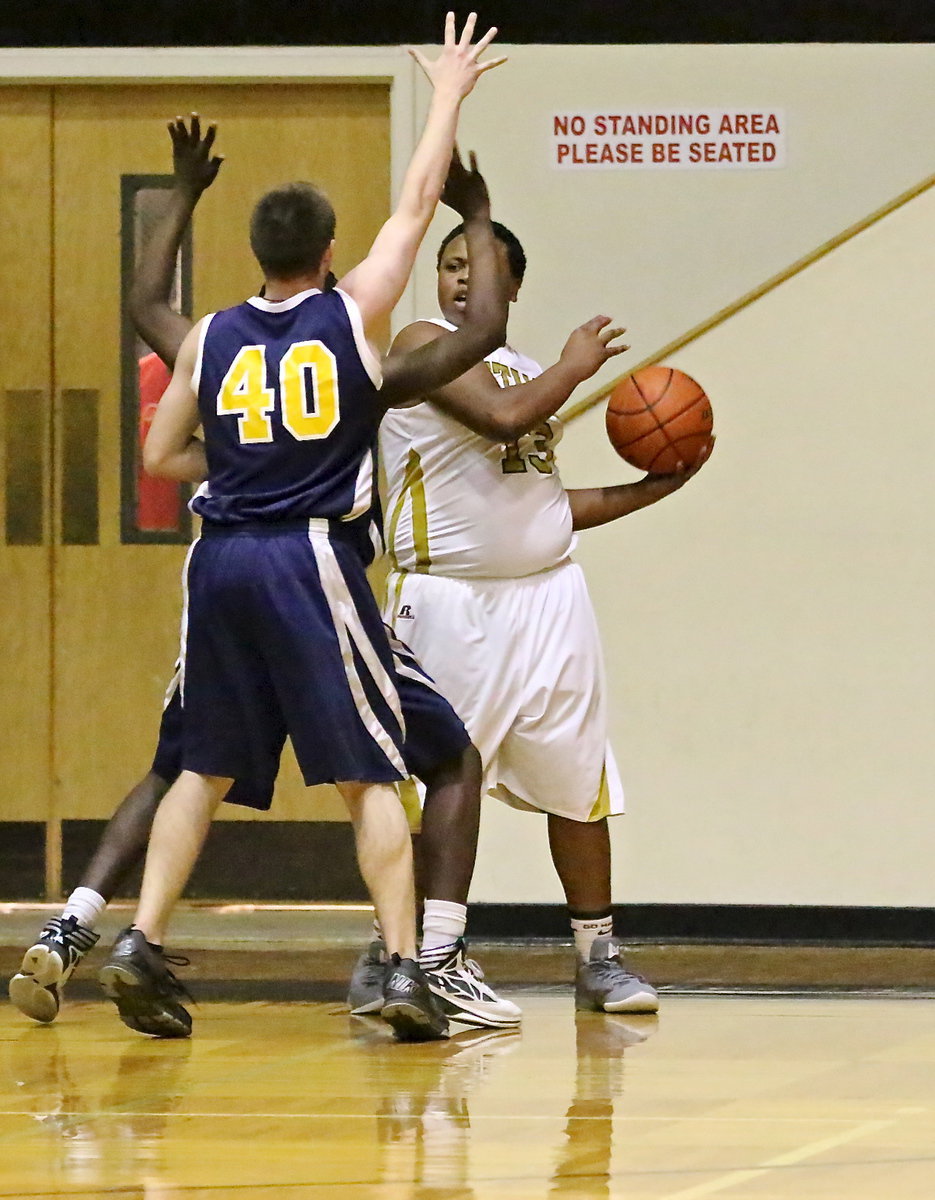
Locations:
(520, 661)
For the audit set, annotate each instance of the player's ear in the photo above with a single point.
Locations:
(327, 258)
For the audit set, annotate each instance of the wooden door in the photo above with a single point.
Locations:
(116, 595)
(25, 496)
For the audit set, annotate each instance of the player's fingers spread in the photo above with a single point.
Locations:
(489, 66)
(210, 135)
(468, 31)
(613, 351)
(449, 29)
(485, 40)
(596, 323)
(472, 159)
(196, 126)
(608, 335)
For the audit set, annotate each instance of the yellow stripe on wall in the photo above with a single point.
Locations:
(724, 314)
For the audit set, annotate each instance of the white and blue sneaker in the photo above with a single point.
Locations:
(36, 989)
(458, 984)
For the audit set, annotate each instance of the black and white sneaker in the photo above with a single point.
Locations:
(36, 989)
(458, 983)
(408, 1004)
(145, 991)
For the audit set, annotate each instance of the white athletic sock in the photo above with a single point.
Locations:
(85, 905)
(443, 923)
(586, 931)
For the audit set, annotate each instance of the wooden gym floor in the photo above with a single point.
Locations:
(755, 1096)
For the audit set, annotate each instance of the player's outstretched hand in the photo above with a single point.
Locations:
(591, 345)
(458, 68)
(465, 190)
(194, 166)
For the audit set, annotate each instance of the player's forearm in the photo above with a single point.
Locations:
(187, 464)
(487, 305)
(526, 405)
(505, 414)
(428, 167)
(154, 319)
(591, 507)
(436, 363)
(155, 272)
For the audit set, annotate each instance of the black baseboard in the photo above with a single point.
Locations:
(263, 860)
(314, 861)
(780, 923)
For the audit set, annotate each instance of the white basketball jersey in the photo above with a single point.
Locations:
(461, 505)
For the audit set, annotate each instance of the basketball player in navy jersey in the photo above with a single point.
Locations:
(436, 748)
(282, 632)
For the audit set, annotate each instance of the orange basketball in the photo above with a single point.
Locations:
(658, 418)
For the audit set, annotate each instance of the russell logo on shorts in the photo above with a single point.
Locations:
(405, 613)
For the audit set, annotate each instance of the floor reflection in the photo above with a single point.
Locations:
(99, 1127)
(583, 1163)
(276, 1102)
(423, 1119)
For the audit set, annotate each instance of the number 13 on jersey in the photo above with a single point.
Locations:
(310, 405)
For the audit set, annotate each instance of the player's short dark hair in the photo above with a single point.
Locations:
(290, 229)
(515, 254)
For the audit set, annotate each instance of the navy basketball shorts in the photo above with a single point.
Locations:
(434, 732)
(283, 637)
(167, 761)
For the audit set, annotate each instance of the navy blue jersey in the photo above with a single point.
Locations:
(288, 396)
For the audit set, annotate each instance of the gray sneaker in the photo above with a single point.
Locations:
(365, 993)
(604, 983)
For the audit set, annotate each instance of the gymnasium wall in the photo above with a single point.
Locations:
(767, 628)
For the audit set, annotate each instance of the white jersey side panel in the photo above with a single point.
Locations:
(461, 505)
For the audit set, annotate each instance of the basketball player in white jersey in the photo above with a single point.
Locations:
(480, 532)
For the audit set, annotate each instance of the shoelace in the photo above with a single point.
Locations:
(462, 962)
(611, 965)
(178, 960)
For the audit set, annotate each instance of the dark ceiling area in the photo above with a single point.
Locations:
(391, 22)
